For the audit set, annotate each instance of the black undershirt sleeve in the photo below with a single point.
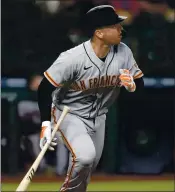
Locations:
(139, 84)
(45, 90)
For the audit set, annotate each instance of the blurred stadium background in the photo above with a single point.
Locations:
(139, 150)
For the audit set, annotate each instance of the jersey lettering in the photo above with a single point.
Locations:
(104, 81)
(96, 80)
(82, 83)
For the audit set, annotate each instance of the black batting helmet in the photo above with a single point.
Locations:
(102, 16)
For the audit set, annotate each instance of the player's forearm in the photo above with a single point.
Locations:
(45, 90)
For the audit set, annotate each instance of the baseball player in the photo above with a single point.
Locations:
(87, 78)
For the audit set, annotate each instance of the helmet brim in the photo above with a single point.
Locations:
(120, 19)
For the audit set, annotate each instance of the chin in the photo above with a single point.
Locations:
(117, 42)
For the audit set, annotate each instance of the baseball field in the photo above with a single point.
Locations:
(99, 183)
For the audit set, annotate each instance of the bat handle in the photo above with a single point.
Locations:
(63, 114)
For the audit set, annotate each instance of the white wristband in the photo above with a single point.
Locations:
(46, 124)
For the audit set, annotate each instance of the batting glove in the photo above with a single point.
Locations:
(46, 136)
(127, 80)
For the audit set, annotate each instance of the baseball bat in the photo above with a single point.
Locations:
(29, 175)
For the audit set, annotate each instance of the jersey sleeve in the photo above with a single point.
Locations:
(132, 66)
(60, 72)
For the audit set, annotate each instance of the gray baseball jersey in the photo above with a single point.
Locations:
(85, 83)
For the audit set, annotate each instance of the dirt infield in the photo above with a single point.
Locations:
(95, 178)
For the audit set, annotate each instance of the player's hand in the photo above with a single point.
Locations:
(45, 136)
(127, 80)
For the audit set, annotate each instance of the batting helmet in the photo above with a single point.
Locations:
(102, 16)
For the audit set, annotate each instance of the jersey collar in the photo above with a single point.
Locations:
(93, 57)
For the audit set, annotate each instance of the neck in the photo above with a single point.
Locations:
(100, 49)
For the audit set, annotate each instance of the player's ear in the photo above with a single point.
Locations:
(99, 33)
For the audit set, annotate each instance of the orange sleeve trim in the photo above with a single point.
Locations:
(46, 74)
(138, 75)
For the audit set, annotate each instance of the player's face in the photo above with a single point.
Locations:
(112, 35)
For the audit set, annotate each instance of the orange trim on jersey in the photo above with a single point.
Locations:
(68, 177)
(51, 80)
(138, 75)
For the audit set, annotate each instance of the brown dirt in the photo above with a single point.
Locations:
(95, 178)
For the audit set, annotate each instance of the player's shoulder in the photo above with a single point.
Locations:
(72, 54)
(123, 47)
